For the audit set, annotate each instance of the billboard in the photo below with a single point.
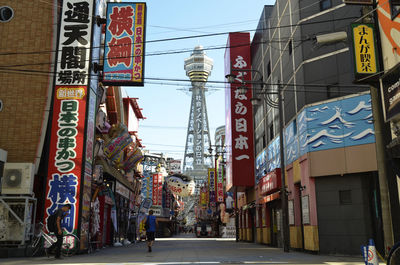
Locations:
(124, 44)
(238, 113)
(66, 149)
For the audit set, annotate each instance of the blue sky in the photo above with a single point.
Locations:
(166, 107)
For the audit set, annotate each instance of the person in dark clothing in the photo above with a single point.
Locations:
(151, 227)
(54, 225)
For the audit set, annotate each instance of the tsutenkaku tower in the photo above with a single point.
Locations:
(197, 159)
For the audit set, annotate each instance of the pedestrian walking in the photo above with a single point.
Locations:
(54, 225)
(150, 226)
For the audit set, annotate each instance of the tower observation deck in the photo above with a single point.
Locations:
(196, 159)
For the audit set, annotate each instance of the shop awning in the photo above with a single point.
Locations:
(115, 173)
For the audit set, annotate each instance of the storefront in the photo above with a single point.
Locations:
(269, 209)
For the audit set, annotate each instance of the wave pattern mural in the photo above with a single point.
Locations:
(341, 123)
(335, 124)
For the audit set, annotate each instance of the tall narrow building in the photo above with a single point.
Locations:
(196, 160)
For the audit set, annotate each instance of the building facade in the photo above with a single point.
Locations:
(36, 117)
(329, 143)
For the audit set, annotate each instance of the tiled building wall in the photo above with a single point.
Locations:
(26, 40)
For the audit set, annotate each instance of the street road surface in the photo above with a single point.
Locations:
(185, 250)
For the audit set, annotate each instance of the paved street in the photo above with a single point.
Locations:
(181, 250)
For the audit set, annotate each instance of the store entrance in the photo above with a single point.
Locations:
(276, 215)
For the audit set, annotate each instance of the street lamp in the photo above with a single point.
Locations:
(255, 101)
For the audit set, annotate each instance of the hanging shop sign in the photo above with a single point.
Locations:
(211, 184)
(203, 197)
(124, 44)
(239, 117)
(66, 158)
(365, 58)
(157, 189)
(390, 87)
(220, 181)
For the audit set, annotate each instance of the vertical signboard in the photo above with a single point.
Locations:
(220, 181)
(124, 44)
(66, 157)
(364, 49)
(157, 189)
(203, 197)
(211, 184)
(239, 117)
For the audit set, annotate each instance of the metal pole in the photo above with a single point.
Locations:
(285, 220)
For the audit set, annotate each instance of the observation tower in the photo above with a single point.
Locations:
(196, 159)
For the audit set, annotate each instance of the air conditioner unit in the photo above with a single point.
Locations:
(17, 178)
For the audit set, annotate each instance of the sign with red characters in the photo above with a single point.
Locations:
(157, 189)
(66, 157)
(124, 44)
(239, 117)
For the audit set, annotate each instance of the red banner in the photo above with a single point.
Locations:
(239, 117)
(66, 152)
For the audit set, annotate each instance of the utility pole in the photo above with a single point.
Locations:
(284, 199)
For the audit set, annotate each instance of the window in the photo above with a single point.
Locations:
(325, 4)
(6, 13)
(345, 197)
(290, 47)
(394, 8)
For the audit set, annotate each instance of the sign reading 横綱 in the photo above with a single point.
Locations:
(124, 44)
(239, 118)
(66, 158)
(390, 86)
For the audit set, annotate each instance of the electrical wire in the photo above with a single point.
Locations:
(187, 37)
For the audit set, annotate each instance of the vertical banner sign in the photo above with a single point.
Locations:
(157, 189)
(239, 117)
(211, 184)
(364, 49)
(124, 44)
(66, 158)
(220, 181)
(203, 197)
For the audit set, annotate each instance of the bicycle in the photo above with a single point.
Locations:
(43, 240)
(394, 255)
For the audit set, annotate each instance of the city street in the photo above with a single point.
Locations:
(185, 250)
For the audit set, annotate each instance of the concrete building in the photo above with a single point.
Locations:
(330, 155)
